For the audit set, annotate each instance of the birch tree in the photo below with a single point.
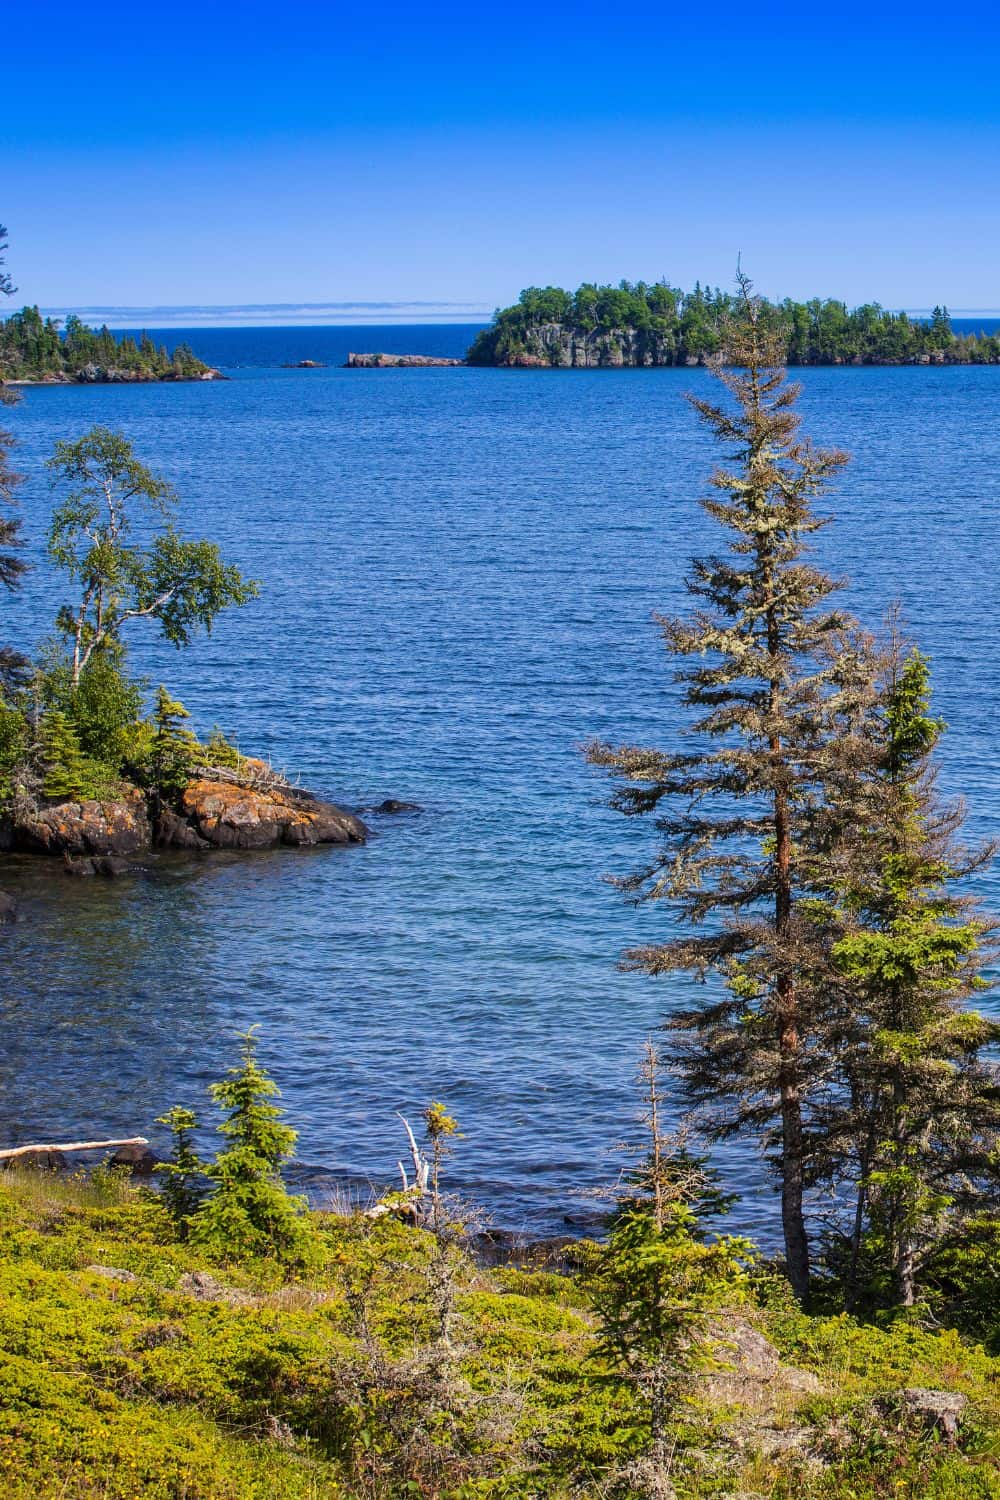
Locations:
(108, 495)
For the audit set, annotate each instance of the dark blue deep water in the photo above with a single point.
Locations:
(459, 568)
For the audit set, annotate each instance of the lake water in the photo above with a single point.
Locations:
(459, 571)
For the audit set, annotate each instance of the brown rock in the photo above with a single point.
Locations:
(229, 816)
(140, 1160)
(114, 827)
(172, 832)
(37, 1161)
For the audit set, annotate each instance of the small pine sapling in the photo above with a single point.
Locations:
(184, 1175)
(66, 771)
(660, 1282)
(250, 1212)
(175, 749)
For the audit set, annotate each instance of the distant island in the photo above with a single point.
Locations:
(396, 361)
(643, 324)
(37, 351)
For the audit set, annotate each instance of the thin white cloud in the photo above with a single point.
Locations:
(278, 314)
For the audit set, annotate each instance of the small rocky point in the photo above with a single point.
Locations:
(218, 810)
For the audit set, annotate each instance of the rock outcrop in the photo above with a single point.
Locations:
(218, 810)
(226, 815)
(121, 826)
(395, 361)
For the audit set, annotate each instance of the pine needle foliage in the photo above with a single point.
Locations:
(183, 1176)
(916, 1123)
(767, 666)
(660, 1285)
(250, 1212)
(175, 748)
(65, 768)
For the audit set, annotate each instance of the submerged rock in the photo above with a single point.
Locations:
(108, 865)
(8, 908)
(393, 805)
(227, 815)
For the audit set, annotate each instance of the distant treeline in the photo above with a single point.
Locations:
(658, 324)
(37, 348)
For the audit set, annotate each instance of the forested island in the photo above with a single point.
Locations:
(37, 350)
(644, 324)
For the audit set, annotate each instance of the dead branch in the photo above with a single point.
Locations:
(64, 1146)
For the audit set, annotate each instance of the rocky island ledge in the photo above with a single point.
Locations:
(395, 361)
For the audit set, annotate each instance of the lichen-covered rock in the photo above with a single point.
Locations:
(112, 827)
(936, 1411)
(230, 816)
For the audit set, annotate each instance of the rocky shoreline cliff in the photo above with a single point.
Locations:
(553, 346)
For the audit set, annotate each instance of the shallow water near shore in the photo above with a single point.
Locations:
(459, 568)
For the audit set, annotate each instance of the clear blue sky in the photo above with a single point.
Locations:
(220, 153)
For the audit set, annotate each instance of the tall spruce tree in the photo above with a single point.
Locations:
(771, 664)
(914, 1121)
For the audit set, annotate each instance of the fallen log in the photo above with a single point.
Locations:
(12, 1151)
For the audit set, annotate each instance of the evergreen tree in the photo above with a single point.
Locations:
(184, 1175)
(916, 1121)
(660, 1282)
(772, 662)
(66, 772)
(175, 749)
(250, 1212)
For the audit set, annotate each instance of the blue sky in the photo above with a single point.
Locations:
(232, 154)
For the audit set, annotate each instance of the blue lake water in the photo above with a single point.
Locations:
(459, 571)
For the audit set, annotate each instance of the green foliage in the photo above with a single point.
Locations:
(174, 749)
(181, 585)
(913, 1128)
(246, 1387)
(221, 752)
(33, 347)
(184, 1175)
(104, 706)
(250, 1213)
(669, 327)
(15, 740)
(67, 772)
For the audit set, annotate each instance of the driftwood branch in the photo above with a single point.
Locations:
(407, 1204)
(421, 1166)
(12, 1151)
